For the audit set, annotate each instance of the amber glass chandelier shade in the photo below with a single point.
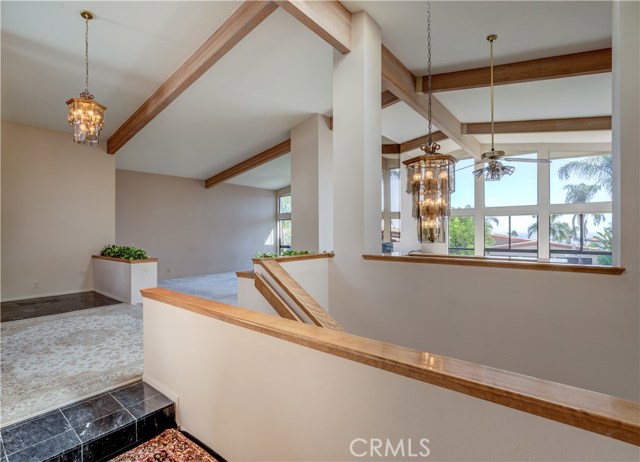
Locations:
(430, 181)
(84, 114)
(87, 118)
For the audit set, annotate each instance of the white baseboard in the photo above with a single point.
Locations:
(55, 294)
(110, 296)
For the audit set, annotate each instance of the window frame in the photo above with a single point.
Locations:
(280, 217)
(544, 209)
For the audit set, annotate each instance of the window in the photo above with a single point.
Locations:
(580, 180)
(520, 188)
(461, 236)
(581, 239)
(570, 199)
(391, 200)
(463, 196)
(512, 236)
(284, 219)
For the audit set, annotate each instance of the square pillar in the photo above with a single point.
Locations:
(357, 156)
(312, 185)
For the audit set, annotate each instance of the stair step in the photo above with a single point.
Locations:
(92, 430)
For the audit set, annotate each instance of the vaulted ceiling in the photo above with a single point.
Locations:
(281, 73)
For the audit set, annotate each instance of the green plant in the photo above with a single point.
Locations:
(126, 252)
(283, 253)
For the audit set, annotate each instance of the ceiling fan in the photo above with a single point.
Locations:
(495, 169)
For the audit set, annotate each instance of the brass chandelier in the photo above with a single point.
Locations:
(85, 114)
(431, 177)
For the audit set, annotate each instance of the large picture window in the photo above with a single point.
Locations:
(558, 211)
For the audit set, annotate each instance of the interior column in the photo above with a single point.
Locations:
(311, 185)
(356, 141)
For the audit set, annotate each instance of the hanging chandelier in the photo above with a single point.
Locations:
(85, 114)
(431, 177)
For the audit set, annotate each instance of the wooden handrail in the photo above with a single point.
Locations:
(274, 299)
(497, 262)
(300, 297)
(285, 259)
(607, 415)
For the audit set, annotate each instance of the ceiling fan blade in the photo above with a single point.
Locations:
(478, 173)
(468, 166)
(534, 161)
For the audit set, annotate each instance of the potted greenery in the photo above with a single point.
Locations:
(121, 271)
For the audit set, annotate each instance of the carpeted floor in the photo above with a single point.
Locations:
(222, 287)
(171, 445)
(53, 360)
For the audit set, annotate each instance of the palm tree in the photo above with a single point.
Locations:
(581, 194)
(558, 231)
(597, 168)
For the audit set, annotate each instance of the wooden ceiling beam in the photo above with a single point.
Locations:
(249, 164)
(555, 67)
(540, 126)
(417, 142)
(241, 22)
(398, 79)
(329, 19)
(388, 99)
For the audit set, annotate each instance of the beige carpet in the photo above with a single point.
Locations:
(50, 361)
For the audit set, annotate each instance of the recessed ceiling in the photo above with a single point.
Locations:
(584, 96)
(526, 30)
(246, 103)
(272, 175)
(400, 123)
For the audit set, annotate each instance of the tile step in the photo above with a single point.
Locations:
(92, 430)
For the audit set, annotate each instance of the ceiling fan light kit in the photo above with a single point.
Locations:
(431, 177)
(85, 114)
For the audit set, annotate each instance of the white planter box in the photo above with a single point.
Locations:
(122, 279)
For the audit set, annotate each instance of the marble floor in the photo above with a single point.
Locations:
(90, 430)
(46, 306)
(222, 287)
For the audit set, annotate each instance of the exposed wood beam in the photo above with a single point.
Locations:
(398, 79)
(252, 162)
(327, 18)
(388, 99)
(539, 126)
(417, 142)
(412, 144)
(390, 149)
(241, 22)
(575, 64)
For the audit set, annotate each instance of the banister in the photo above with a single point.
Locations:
(595, 412)
(276, 302)
(497, 262)
(296, 292)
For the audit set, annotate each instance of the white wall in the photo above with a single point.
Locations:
(252, 402)
(58, 208)
(313, 276)
(311, 185)
(193, 230)
(578, 329)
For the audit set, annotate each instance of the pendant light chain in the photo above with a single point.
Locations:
(430, 140)
(491, 39)
(86, 55)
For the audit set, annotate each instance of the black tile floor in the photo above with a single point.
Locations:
(91, 430)
(45, 306)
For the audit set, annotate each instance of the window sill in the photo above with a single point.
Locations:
(498, 263)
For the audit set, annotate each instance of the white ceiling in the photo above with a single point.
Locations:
(281, 73)
(526, 30)
(272, 175)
